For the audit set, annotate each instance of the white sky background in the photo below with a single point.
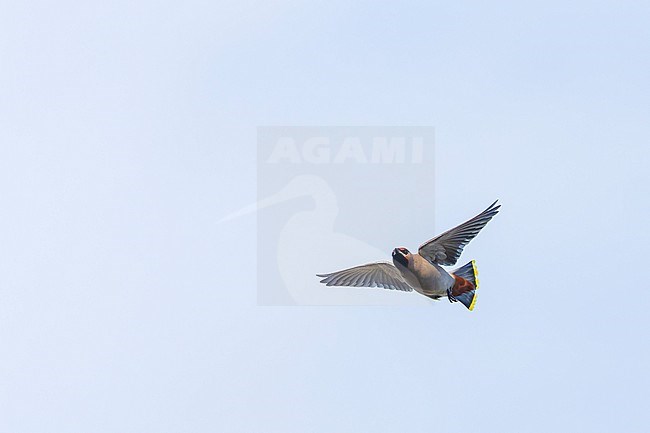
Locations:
(127, 131)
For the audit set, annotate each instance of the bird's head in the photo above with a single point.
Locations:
(401, 255)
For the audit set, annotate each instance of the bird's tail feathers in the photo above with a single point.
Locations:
(467, 272)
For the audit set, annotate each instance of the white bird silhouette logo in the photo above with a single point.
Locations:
(308, 238)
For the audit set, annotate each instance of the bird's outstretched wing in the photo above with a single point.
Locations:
(379, 274)
(446, 248)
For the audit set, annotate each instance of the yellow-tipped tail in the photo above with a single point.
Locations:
(471, 305)
(468, 272)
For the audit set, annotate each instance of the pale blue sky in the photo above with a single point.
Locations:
(127, 131)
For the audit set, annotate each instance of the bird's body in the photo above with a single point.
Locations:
(423, 271)
(426, 278)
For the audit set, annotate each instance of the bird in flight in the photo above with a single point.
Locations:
(422, 271)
